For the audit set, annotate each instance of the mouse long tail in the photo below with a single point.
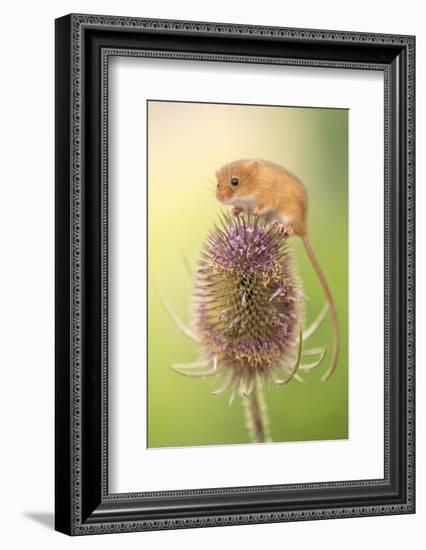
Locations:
(333, 312)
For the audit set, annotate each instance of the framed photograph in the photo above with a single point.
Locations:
(234, 274)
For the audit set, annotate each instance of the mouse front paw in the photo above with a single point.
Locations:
(236, 211)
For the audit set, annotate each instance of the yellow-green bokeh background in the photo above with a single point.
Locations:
(187, 142)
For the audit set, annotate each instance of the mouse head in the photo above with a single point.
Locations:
(236, 180)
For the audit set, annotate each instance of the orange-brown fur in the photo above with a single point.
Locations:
(269, 190)
(276, 191)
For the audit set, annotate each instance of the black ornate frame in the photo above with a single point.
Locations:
(83, 45)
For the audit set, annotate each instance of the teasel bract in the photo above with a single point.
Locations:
(248, 308)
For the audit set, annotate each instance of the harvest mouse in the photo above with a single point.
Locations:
(267, 189)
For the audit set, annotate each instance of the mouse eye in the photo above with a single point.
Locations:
(234, 181)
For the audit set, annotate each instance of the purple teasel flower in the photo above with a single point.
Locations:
(248, 314)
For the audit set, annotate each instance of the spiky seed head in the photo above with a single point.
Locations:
(249, 305)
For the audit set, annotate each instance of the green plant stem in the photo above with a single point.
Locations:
(256, 415)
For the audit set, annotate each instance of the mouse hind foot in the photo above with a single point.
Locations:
(284, 229)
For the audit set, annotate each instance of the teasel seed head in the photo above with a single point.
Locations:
(248, 303)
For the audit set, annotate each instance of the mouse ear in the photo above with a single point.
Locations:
(253, 165)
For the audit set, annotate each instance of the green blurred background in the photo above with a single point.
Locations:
(187, 142)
